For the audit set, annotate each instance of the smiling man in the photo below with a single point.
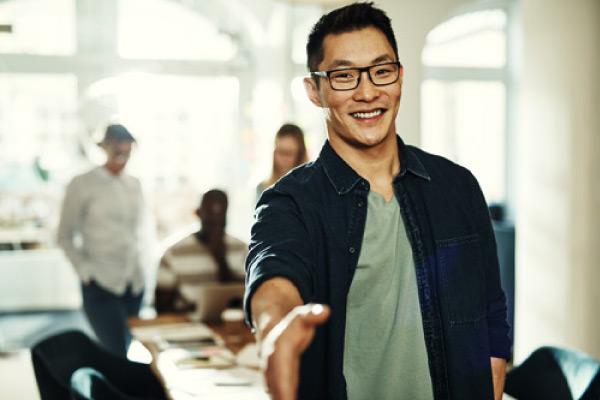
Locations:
(372, 271)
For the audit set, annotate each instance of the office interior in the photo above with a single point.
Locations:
(508, 88)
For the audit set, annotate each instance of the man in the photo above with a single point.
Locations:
(102, 231)
(208, 255)
(396, 242)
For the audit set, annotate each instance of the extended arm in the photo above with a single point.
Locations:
(284, 329)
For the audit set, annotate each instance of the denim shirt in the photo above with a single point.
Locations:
(309, 229)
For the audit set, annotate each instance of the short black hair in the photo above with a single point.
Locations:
(346, 19)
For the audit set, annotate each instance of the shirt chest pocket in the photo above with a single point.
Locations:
(462, 279)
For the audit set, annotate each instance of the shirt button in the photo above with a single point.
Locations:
(351, 250)
(360, 203)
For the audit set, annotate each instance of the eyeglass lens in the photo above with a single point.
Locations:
(346, 79)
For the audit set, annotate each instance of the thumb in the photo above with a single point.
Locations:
(315, 314)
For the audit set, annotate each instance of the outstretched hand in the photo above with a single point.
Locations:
(282, 347)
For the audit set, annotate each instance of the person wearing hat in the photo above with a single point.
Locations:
(100, 231)
(207, 255)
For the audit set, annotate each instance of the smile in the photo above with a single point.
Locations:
(365, 115)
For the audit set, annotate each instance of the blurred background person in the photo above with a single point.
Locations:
(290, 151)
(101, 230)
(208, 255)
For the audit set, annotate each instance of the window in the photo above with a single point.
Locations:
(38, 134)
(38, 27)
(186, 136)
(168, 30)
(203, 86)
(465, 113)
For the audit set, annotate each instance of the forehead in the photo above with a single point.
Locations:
(286, 141)
(213, 205)
(356, 48)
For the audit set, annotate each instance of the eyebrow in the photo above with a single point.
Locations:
(349, 64)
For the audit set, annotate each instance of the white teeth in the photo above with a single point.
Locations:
(367, 115)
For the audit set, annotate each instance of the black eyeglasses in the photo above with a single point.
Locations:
(349, 78)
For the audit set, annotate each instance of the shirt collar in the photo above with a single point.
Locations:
(344, 178)
(410, 162)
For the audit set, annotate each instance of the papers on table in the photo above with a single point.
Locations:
(210, 356)
(195, 363)
(173, 332)
(232, 383)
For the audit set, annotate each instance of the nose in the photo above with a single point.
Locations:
(366, 90)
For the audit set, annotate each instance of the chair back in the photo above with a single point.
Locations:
(89, 384)
(555, 373)
(57, 357)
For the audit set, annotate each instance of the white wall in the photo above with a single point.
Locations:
(558, 206)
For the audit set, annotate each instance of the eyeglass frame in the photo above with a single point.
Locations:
(326, 74)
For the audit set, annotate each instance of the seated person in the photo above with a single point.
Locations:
(208, 255)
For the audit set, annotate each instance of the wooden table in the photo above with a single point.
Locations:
(231, 383)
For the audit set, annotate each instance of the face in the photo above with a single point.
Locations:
(285, 155)
(118, 155)
(363, 117)
(213, 215)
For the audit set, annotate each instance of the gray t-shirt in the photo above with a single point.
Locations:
(384, 354)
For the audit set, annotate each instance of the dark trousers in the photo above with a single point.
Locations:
(108, 313)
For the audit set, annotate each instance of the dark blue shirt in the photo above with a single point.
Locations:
(309, 229)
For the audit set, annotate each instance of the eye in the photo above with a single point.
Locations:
(383, 70)
(344, 75)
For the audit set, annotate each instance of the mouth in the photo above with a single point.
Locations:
(368, 114)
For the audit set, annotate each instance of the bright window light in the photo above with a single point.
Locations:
(475, 39)
(465, 121)
(38, 27)
(158, 29)
(464, 110)
(187, 134)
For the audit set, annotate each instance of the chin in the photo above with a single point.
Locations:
(373, 138)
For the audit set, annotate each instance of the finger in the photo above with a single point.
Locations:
(282, 355)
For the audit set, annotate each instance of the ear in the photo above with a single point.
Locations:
(312, 92)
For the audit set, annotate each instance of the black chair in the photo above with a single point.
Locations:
(57, 357)
(552, 373)
(89, 384)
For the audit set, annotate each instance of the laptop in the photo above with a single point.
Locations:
(213, 298)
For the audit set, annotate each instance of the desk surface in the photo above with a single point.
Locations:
(237, 380)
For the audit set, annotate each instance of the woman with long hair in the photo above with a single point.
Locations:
(290, 152)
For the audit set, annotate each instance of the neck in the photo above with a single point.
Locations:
(113, 171)
(378, 165)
